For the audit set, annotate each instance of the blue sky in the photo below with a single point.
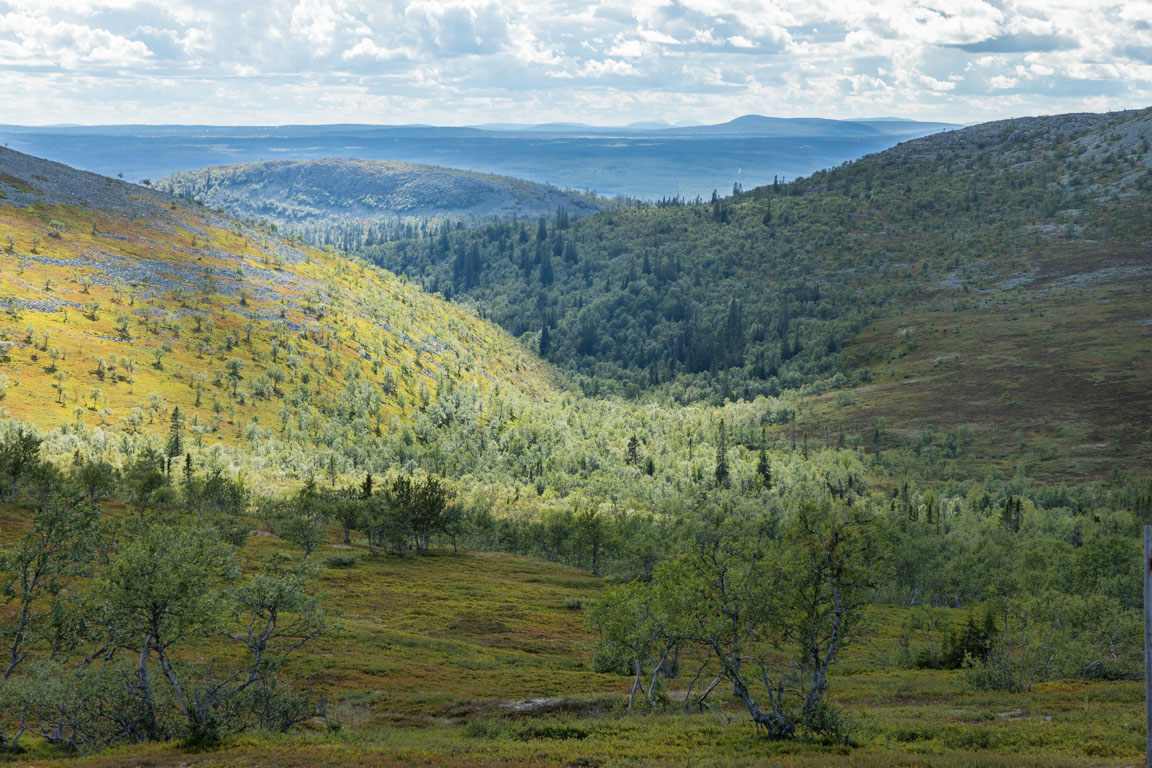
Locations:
(460, 62)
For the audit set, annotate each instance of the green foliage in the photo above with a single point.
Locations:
(99, 479)
(710, 321)
(302, 520)
(99, 658)
(743, 589)
(19, 458)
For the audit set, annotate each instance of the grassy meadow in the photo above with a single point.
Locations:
(482, 659)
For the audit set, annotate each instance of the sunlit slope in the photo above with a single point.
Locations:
(118, 303)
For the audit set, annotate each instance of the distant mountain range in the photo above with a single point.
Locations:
(747, 125)
(752, 125)
(649, 160)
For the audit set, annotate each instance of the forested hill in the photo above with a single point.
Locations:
(1028, 237)
(118, 303)
(347, 202)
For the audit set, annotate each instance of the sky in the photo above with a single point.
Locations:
(461, 62)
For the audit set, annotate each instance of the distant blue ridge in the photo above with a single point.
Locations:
(639, 162)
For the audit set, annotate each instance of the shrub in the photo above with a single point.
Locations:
(340, 561)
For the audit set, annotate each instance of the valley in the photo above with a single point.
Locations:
(844, 470)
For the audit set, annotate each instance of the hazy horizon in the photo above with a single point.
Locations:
(495, 124)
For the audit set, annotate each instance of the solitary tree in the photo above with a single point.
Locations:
(744, 596)
(159, 592)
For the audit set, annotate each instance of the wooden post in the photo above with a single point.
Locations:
(1148, 643)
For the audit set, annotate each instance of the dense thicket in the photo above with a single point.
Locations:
(99, 610)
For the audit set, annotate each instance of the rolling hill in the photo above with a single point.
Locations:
(289, 192)
(120, 302)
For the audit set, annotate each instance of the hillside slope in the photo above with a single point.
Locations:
(118, 303)
(288, 192)
(1019, 252)
(1018, 336)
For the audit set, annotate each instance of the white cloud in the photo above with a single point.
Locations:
(316, 21)
(607, 67)
(632, 49)
(34, 39)
(455, 61)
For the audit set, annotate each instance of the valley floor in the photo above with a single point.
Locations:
(481, 659)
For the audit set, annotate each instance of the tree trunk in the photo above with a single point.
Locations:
(708, 690)
(146, 690)
(777, 725)
(635, 685)
(655, 674)
(170, 673)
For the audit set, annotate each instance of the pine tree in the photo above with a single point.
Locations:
(1013, 513)
(366, 487)
(545, 341)
(175, 444)
(632, 457)
(763, 468)
(546, 273)
(722, 456)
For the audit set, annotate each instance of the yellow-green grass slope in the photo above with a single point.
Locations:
(118, 303)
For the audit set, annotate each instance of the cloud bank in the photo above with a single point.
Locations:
(455, 62)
